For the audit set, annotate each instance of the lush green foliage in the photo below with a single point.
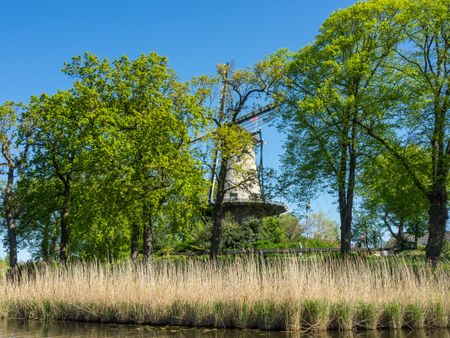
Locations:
(109, 168)
(280, 232)
(375, 80)
(111, 160)
(391, 201)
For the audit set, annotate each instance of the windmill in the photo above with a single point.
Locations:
(230, 191)
(246, 201)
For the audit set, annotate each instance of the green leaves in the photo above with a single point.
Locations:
(389, 195)
(119, 139)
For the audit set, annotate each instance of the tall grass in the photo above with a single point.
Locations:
(283, 294)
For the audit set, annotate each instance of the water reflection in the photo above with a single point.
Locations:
(25, 329)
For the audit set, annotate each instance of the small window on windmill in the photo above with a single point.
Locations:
(233, 195)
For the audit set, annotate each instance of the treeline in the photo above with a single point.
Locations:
(110, 166)
(364, 108)
(102, 164)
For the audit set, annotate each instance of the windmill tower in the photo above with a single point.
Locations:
(241, 182)
(244, 197)
(244, 185)
(238, 183)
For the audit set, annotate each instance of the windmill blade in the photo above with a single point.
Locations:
(261, 111)
(245, 120)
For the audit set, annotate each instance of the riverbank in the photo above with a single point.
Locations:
(283, 294)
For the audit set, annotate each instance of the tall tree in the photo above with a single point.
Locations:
(144, 160)
(15, 132)
(421, 68)
(329, 87)
(117, 147)
(60, 148)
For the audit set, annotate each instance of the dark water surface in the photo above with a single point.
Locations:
(16, 329)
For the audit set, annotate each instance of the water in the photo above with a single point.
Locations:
(25, 329)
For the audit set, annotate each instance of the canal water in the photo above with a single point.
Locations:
(25, 329)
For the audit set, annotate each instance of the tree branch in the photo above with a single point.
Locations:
(397, 155)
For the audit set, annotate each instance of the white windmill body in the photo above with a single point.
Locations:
(244, 194)
(241, 182)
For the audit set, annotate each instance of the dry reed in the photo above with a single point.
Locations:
(287, 293)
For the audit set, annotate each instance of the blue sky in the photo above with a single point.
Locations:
(37, 37)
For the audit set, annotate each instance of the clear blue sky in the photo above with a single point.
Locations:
(37, 37)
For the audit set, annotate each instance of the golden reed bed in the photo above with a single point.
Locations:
(286, 293)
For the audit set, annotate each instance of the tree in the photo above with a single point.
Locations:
(330, 86)
(233, 142)
(317, 225)
(60, 149)
(391, 198)
(421, 68)
(367, 229)
(114, 155)
(144, 156)
(15, 131)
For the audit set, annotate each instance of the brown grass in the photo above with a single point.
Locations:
(284, 294)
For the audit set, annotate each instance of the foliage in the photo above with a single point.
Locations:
(390, 198)
(111, 158)
(318, 225)
(329, 86)
(419, 72)
(367, 230)
(277, 232)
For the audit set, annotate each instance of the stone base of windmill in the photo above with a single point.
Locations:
(242, 210)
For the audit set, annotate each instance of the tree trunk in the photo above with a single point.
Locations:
(438, 216)
(218, 213)
(148, 234)
(344, 213)
(9, 209)
(45, 244)
(346, 189)
(438, 212)
(400, 237)
(65, 232)
(53, 247)
(346, 228)
(10, 219)
(65, 227)
(134, 245)
(216, 231)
